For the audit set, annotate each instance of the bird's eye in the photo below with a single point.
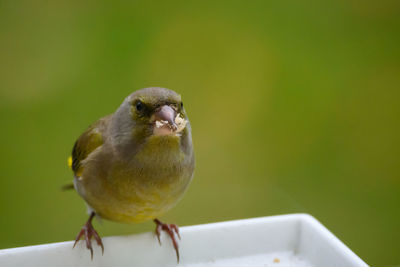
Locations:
(181, 104)
(139, 105)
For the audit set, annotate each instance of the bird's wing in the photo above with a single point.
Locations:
(91, 139)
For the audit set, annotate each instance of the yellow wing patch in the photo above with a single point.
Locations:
(70, 162)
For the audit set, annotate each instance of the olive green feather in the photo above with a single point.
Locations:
(91, 139)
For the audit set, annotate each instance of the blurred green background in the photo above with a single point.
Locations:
(294, 107)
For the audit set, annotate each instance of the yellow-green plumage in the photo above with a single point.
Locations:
(126, 172)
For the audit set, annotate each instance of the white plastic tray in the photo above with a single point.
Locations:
(278, 241)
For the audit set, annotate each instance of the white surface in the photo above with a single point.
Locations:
(275, 259)
(293, 240)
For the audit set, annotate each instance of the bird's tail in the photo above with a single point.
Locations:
(67, 187)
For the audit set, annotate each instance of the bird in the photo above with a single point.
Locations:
(134, 165)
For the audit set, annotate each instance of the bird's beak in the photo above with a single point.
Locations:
(164, 119)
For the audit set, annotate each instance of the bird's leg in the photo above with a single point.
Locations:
(171, 230)
(88, 232)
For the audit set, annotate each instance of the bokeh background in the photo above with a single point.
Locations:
(294, 107)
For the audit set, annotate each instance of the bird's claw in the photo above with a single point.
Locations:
(171, 230)
(88, 232)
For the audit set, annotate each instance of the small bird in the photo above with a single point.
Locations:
(135, 164)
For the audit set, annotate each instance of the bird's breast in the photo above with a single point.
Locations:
(159, 151)
(150, 183)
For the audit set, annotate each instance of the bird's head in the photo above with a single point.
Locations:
(158, 111)
(149, 112)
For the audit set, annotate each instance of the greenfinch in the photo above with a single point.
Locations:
(135, 164)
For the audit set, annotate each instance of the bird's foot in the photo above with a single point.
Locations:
(88, 232)
(171, 230)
